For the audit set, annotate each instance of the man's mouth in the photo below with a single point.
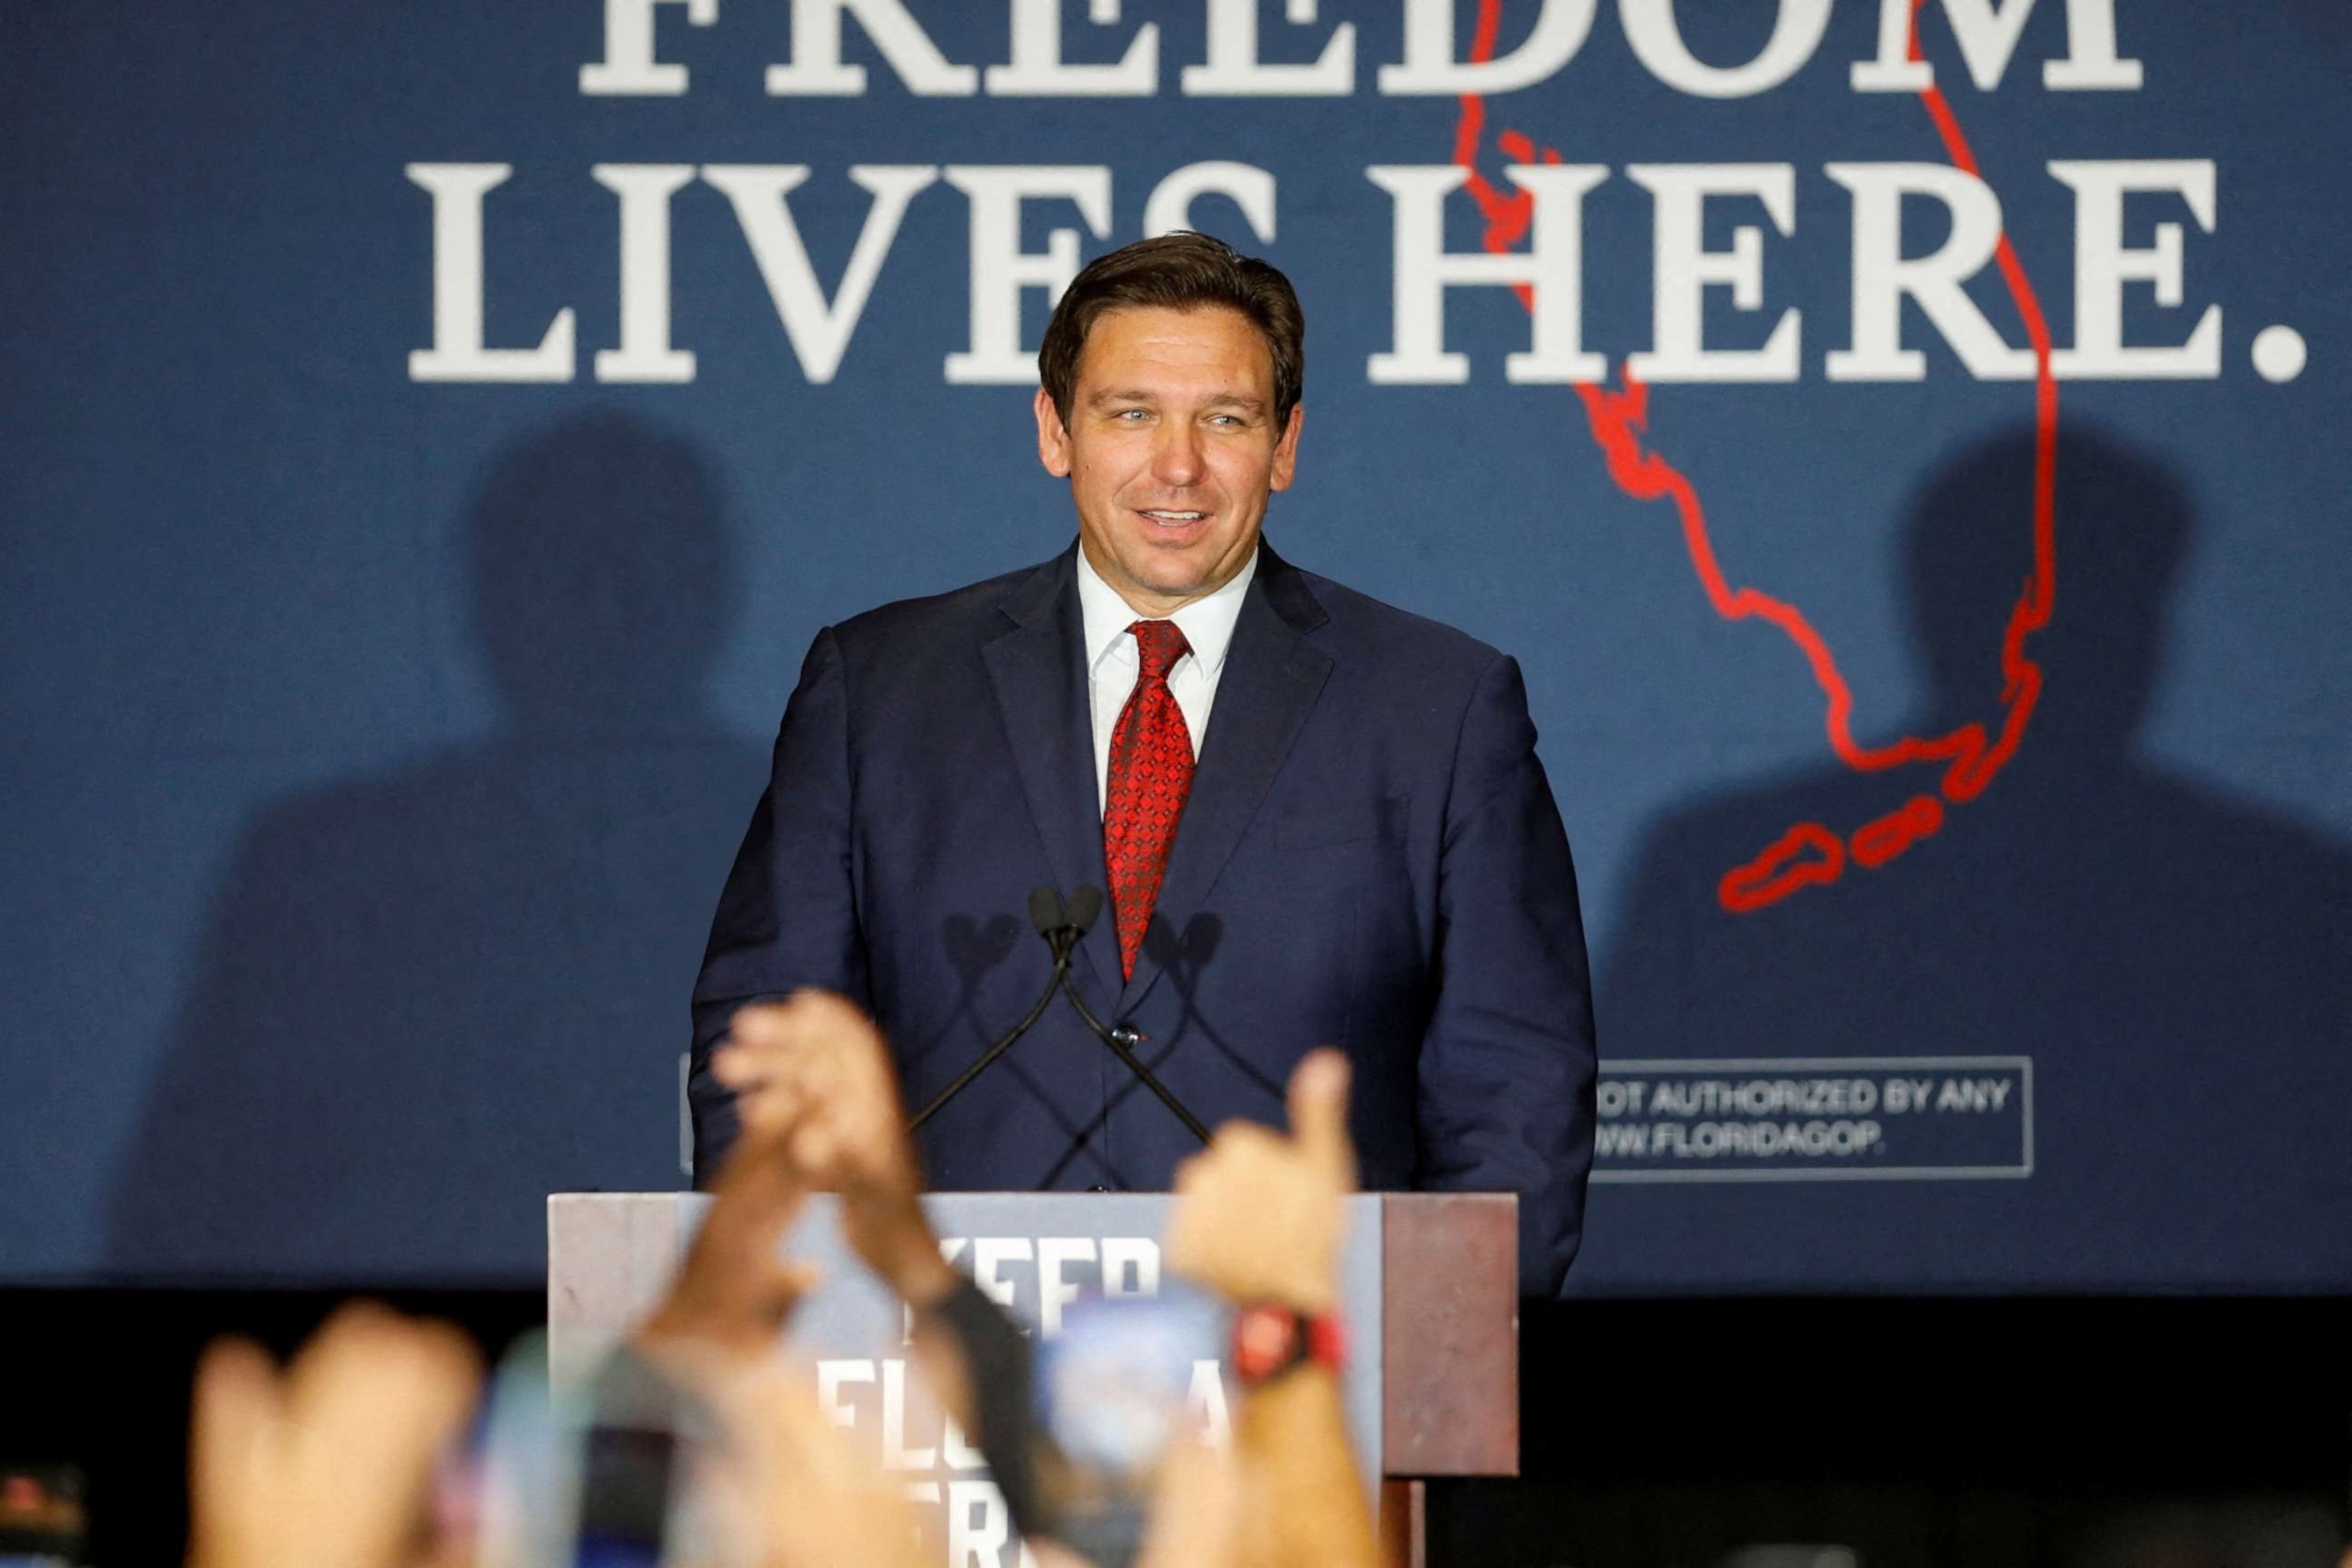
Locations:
(1173, 518)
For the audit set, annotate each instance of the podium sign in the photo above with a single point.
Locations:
(1428, 1283)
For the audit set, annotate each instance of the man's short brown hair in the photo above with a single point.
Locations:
(1179, 271)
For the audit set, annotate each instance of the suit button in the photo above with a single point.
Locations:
(1097, 1188)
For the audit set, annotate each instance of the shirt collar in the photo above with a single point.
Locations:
(1207, 623)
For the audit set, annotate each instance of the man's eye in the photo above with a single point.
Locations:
(1131, 415)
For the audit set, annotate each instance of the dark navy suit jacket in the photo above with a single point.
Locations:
(1369, 858)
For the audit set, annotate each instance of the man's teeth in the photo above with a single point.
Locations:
(1177, 516)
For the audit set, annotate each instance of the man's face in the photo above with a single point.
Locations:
(1172, 450)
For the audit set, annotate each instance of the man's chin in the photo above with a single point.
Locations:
(1191, 568)
(1163, 571)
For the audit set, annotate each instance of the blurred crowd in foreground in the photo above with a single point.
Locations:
(704, 1445)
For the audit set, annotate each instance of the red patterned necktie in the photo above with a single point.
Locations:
(1151, 774)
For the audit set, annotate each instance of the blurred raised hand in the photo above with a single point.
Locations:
(819, 1110)
(790, 1489)
(813, 1072)
(326, 1464)
(1260, 1217)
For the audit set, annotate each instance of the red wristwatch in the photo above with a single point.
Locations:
(1268, 1341)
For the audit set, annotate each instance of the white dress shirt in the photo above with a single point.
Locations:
(1112, 661)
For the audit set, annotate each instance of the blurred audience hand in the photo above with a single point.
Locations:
(813, 1070)
(1260, 1219)
(818, 1104)
(1260, 1216)
(736, 1289)
(326, 1464)
(792, 1487)
(1202, 1510)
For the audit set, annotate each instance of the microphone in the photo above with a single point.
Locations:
(1053, 922)
(1062, 925)
(1046, 911)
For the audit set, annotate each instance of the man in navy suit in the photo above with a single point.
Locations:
(1322, 820)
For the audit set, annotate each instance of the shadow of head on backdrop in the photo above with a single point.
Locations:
(2124, 529)
(2166, 953)
(599, 578)
(428, 996)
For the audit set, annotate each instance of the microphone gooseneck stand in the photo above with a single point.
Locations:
(1120, 1047)
(1062, 926)
(1053, 923)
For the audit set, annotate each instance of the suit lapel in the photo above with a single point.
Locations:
(1271, 678)
(1038, 668)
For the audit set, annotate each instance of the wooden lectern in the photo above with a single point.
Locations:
(1430, 1282)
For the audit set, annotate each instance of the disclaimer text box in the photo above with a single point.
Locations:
(1816, 1119)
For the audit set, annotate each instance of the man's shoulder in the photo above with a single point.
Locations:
(975, 609)
(1374, 628)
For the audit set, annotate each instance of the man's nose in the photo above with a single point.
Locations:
(1176, 459)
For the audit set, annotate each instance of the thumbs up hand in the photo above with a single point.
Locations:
(1259, 1215)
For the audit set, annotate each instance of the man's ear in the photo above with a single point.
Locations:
(1053, 439)
(1286, 450)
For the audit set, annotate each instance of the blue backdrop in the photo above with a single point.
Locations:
(385, 685)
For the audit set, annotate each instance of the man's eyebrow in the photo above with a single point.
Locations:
(1109, 395)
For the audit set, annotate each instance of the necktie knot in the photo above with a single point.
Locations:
(1159, 645)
